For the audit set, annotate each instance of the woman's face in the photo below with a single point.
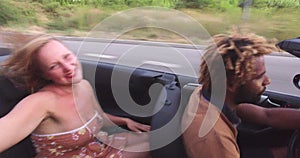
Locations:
(59, 64)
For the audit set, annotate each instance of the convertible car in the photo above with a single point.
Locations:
(157, 89)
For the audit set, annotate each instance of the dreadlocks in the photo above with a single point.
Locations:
(237, 52)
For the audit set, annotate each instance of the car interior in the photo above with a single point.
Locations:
(165, 99)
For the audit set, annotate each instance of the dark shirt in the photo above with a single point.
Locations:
(230, 114)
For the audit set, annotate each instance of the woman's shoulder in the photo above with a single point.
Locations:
(85, 83)
(38, 102)
(41, 96)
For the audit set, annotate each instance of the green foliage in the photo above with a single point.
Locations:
(63, 2)
(51, 7)
(225, 4)
(276, 3)
(216, 4)
(10, 13)
(57, 24)
(270, 18)
(95, 3)
(7, 12)
(112, 2)
(86, 20)
(139, 3)
(164, 3)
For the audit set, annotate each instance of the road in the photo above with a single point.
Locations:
(281, 69)
(174, 58)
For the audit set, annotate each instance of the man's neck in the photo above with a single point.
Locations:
(229, 100)
(228, 108)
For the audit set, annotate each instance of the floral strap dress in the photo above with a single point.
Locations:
(77, 143)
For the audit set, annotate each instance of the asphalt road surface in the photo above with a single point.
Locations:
(280, 68)
(175, 58)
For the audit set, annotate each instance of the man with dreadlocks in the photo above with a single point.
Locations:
(232, 72)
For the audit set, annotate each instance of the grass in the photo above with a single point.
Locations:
(271, 23)
(109, 22)
(280, 23)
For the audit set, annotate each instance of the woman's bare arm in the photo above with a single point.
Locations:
(22, 120)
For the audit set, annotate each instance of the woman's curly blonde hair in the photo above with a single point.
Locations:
(237, 52)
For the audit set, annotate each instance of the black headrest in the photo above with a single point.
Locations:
(9, 95)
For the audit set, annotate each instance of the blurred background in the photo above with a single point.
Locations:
(279, 19)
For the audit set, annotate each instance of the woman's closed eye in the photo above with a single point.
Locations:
(52, 67)
(68, 57)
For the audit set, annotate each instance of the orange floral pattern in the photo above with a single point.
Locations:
(78, 143)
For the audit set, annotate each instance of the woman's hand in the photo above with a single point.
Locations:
(136, 127)
(131, 125)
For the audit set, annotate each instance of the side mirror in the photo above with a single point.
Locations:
(296, 81)
(292, 46)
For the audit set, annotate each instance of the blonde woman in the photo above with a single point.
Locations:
(49, 114)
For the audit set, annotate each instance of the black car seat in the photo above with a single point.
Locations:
(168, 121)
(9, 97)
